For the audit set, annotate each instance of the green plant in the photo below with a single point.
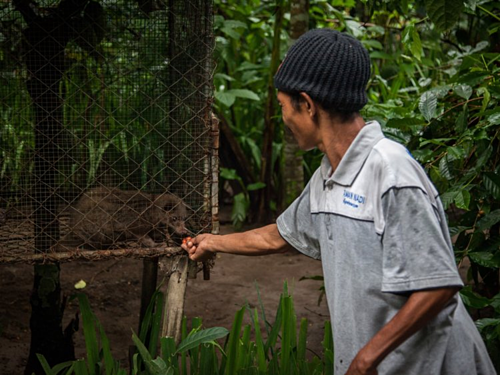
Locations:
(241, 201)
(283, 351)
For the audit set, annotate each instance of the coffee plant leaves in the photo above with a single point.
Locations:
(494, 119)
(455, 153)
(485, 259)
(444, 13)
(489, 220)
(495, 303)
(481, 324)
(428, 105)
(448, 197)
(457, 230)
(473, 299)
(462, 200)
(472, 78)
(485, 156)
(423, 156)
(477, 240)
(444, 169)
(411, 38)
(464, 91)
(471, 4)
(492, 184)
(404, 124)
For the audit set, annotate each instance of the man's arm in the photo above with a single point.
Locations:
(260, 241)
(420, 308)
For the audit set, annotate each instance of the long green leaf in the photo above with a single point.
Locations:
(168, 350)
(201, 337)
(194, 352)
(148, 316)
(288, 334)
(261, 305)
(89, 331)
(232, 345)
(153, 367)
(81, 367)
(261, 354)
(244, 93)
(45, 365)
(275, 329)
(302, 343)
(143, 351)
(156, 323)
(61, 366)
(109, 362)
(244, 352)
(184, 354)
(208, 360)
(328, 349)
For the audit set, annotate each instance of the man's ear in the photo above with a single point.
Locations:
(309, 104)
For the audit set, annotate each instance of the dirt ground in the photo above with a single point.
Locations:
(114, 288)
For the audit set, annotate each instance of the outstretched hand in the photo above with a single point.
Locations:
(198, 248)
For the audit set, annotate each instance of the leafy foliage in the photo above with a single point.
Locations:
(239, 355)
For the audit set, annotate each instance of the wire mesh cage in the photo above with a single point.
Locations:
(107, 144)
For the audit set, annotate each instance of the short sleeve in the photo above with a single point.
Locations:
(417, 253)
(296, 226)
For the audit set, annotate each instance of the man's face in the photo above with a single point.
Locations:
(300, 122)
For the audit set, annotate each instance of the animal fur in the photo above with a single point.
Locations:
(104, 216)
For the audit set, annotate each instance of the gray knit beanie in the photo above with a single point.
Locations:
(333, 68)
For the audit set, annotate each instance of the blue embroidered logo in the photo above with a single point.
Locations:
(352, 199)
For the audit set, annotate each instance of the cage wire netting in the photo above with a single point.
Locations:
(107, 145)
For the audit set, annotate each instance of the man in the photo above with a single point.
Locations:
(374, 219)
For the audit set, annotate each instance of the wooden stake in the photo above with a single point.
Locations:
(174, 301)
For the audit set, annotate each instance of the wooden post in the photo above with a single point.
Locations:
(149, 278)
(174, 302)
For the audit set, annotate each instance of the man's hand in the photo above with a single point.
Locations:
(198, 247)
(361, 366)
(419, 309)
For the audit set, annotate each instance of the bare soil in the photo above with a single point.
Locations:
(114, 289)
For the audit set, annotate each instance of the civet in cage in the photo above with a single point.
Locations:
(104, 216)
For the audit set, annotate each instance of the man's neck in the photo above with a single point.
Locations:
(336, 137)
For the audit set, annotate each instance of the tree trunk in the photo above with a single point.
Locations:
(293, 170)
(265, 214)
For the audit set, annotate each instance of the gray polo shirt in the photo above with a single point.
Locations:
(379, 228)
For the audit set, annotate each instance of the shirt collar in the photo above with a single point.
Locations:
(355, 157)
